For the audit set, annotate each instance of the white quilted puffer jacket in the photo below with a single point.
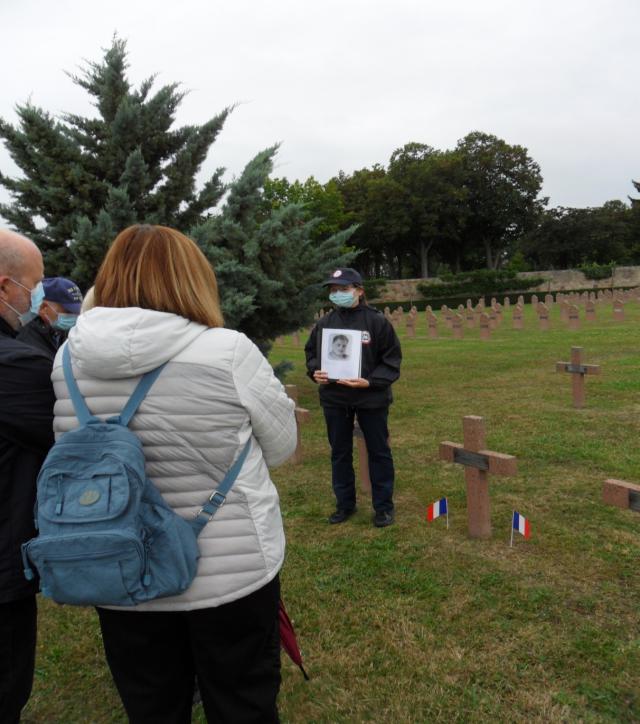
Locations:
(216, 391)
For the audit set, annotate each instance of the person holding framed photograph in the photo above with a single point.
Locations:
(368, 395)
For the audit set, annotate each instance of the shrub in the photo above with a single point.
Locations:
(597, 271)
(374, 288)
(478, 283)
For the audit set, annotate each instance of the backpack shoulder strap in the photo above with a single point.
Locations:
(79, 405)
(133, 403)
(219, 495)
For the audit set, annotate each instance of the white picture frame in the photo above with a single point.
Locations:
(341, 353)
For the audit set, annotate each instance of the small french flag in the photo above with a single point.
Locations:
(435, 510)
(521, 524)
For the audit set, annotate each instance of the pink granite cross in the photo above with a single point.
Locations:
(302, 416)
(578, 371)
(478, 463)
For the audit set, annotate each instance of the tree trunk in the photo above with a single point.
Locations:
(424, 259)
(487, 248)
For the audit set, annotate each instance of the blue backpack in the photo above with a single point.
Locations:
(106, 535)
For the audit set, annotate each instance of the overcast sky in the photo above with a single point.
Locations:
(342, 83)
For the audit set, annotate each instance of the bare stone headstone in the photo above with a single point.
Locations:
(534, 300)
(478, 464)
(548, 300)
(507, 303)
(521, 300)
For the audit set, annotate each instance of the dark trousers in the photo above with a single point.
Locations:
(17, 656)
(373, 424)
(233, 650)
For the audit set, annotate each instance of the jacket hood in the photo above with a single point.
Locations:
(114, 343)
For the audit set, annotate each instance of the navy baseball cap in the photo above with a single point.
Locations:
(343, 277)
(63, 291)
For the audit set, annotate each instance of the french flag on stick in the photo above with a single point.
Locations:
(521, 524)
(435, 510)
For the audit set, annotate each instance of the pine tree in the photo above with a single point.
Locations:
(86, 178)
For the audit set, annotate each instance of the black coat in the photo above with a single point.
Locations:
(26, 434)
(381, 357)
(43, 336)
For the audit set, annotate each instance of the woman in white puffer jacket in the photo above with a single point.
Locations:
(157, 302)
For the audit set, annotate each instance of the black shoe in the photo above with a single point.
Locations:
(341, 515)
(383, 518)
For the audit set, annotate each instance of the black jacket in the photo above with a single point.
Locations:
(381, 357)
(43, 336)
(26, 434)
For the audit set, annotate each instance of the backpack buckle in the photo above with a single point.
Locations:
(216, 500)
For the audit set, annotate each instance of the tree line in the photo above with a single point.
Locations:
(476, 206)
(428, 211)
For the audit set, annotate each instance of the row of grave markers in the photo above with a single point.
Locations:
(479, 462)
(472, 316)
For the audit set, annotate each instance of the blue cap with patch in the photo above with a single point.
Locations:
(343, 277)
(63, 291)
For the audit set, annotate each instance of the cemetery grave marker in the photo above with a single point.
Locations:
(543, 316)
(432, 323)
(621, 494)
(517, 317)
(478, 464)
(618, 310)
(574, 317)
(458, 329)
(485, 327)
(302, 416)
(363, 457)
(577, 371)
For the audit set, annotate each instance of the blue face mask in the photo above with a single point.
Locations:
(65, 322)
(37, 297)
(342, 299)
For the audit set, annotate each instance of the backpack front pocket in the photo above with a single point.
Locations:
(96, 569)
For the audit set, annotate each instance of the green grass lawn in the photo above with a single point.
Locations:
(416, 623)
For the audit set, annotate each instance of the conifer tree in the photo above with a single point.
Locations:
(84, 179)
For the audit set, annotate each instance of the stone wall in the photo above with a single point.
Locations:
(565, 280)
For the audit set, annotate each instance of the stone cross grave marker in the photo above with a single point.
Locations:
(411, 324)
(574, 317)
(485, 326)
(363, 457)
(432, 324)
(578, 371)
(618, 310)
(471, 318)
(621, 494)
(478, 464)
(302, 416)
(517, 317)
(543, 316)
(458, 328)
